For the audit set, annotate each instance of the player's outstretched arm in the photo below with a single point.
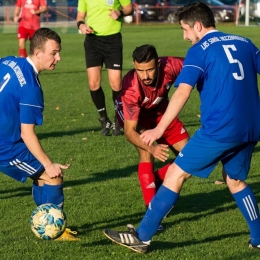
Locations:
(31, 141)
(178, 100)
(159, 151)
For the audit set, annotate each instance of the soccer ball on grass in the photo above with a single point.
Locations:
(48, 221)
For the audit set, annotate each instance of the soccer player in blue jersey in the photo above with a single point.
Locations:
(21, 108)
(224, 68)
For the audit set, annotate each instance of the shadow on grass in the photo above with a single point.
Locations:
(191, 203)
(17, 192)
(157, 245)
(68, 133)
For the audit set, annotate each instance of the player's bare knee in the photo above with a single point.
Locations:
(54, 181)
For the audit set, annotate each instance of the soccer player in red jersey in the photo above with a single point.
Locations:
(141, 105)
(27, 14)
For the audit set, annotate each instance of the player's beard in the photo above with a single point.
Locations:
(148, 82)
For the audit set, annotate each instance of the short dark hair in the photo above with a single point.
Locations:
(193, 12)
(41, 36)
(145, 53)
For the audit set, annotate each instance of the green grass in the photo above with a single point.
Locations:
(101, 187)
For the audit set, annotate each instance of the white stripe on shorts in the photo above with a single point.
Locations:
(23, 166)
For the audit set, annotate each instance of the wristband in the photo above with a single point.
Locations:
(79, 23)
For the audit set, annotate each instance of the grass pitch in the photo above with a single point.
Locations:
(101, 187)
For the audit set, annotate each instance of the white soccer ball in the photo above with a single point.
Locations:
(128, 19)
(48, 221)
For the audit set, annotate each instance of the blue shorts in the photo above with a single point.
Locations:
(22, 164)
(201, 154)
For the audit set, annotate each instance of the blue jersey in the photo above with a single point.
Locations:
(224, 67)
(21, 101)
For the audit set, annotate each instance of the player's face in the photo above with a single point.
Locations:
(50, 56)
(190, 34)
(147, 72)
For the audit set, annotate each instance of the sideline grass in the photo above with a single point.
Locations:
(101, 186)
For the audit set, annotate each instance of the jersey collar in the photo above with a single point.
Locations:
(30, 61)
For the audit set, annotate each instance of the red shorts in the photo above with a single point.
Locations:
(174, 133)
(25, 33)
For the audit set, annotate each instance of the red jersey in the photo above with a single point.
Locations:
(139, 101)
(27, 19)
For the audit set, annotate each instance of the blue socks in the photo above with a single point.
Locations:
(37, 194)
(53, 194)
(160, 205)
(247, 204)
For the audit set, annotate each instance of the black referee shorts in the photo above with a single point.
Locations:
(106, 50)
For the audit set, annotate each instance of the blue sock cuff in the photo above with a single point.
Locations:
(167, 194)
(242, 193)
(37, 188)
(53, 189)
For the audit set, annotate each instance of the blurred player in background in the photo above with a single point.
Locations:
(103, 44)
(21, 108)
(224, 68)
(141, 105)
(27, 15)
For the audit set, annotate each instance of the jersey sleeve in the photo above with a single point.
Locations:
(129, 98)
(18, 3)
(176, 65)
(192, 69)
(43, 3)
(82, 6)
(125, 2)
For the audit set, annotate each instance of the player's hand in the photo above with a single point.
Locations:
(54, 170)
(150, 136)
(33, 11)
(114, 14)
(160, 152)
(85, 29)
(16, 19)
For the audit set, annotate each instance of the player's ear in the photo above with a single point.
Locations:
(198, 25)
(159, 63)
(36, 53)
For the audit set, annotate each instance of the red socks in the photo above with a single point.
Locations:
(160, 173)
(22, 53)
(147, 181)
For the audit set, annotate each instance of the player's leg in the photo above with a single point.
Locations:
(146, 175)
(113, 60)
(22, 37)
(236, 168)
(51, 190)
(148, 182)
(199, 157)
(160, 205)
(114, 77)
(176, 137)
(94, 62)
